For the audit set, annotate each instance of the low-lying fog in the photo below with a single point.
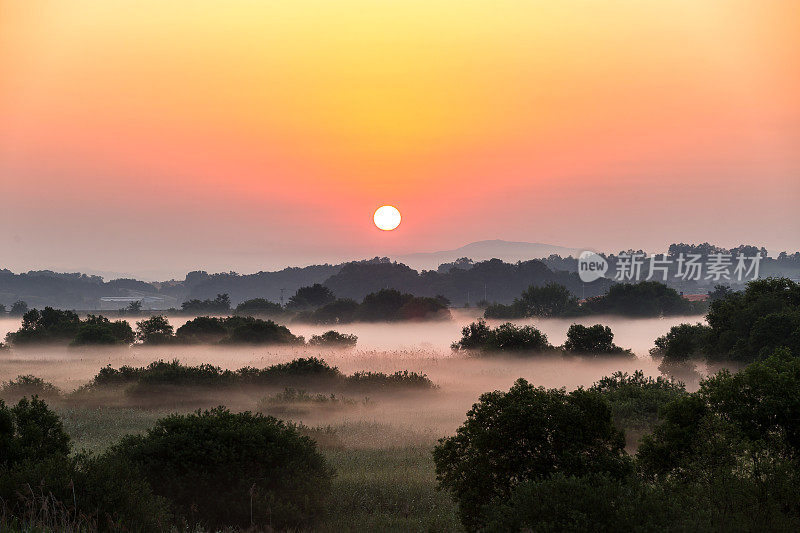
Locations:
(386, 347)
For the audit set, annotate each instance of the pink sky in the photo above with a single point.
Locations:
(154, 138)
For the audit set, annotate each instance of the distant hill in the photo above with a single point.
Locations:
(507, 251)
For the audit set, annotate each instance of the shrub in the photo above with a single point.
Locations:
(28, 385)
(647, 298)
(258, 306)
(635, 399)
(48, 326)
(220, 469)
(100, 330)
(682, 343)
(527, 433)
(504, 338)
(594, 340)
(333, 339)
(255, 331)
(379, 380)
(336, 312)
(155, 330)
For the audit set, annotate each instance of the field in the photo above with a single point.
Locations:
(379, 442)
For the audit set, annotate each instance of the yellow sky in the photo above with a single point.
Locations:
(337, 106)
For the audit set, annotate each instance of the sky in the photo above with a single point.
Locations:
(154, 138)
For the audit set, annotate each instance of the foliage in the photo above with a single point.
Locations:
(480, 337)
(154, 330)
(258, 306)
(647, 298)
(28, 385)
(379, 380)
(313, 296)
(97, 329)
(751, 324)
(219, 305)
(333, 339)
(338, 311)
(256, 331)
(527, 433)
(391, 304)
(45, 326)
(593, 340)
(549, 300)
(636, 400)
(220, 469)
(18, 308)
(682, 343)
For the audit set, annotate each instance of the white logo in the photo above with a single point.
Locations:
(591, 266)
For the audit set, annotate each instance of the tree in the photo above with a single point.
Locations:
(310, 297)
(18, 308)
(596, 339)
(527, 433)
(551, 300)
(99, 330)
(45, 326)
(154, 330)
(221, 469)
(479, 337)
(647, 298)
(220, 305)
(333, 339)
(133, 308)
(258, 306)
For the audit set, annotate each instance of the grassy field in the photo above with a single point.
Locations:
(384, 480)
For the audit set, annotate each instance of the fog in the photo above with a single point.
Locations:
(421, 347)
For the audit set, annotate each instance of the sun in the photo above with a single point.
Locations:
(387, 217)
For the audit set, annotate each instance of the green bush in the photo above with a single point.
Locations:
(527, 433)
(43, 487)
(28, 385)
(635, 399)
(593, 340)
(220, 469)
(479, 337)
(333, 339)
(379, 380)
(46, 326)
(100, 330)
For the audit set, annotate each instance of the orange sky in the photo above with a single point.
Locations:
(151, 136)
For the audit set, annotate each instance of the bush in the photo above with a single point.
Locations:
(100, 330)
(527, 433)
(379, 380)
(255, 331)
(28, 385)
(594, 340)
(635, 399)
(220, 469)
(333, 339)
(155, 330)
(683, 343)
(258, 306)
(647, 298)
(48, 326)
(504, 338)
(336, 312)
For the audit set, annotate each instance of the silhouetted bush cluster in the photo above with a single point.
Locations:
(725, 458)
(333, 339)
(635, 399)
(386, 305)
(742, 326)
(221, 469)
(308, 372)
(647, 298)
(209, 470)
(56, 326)
(480, 338)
